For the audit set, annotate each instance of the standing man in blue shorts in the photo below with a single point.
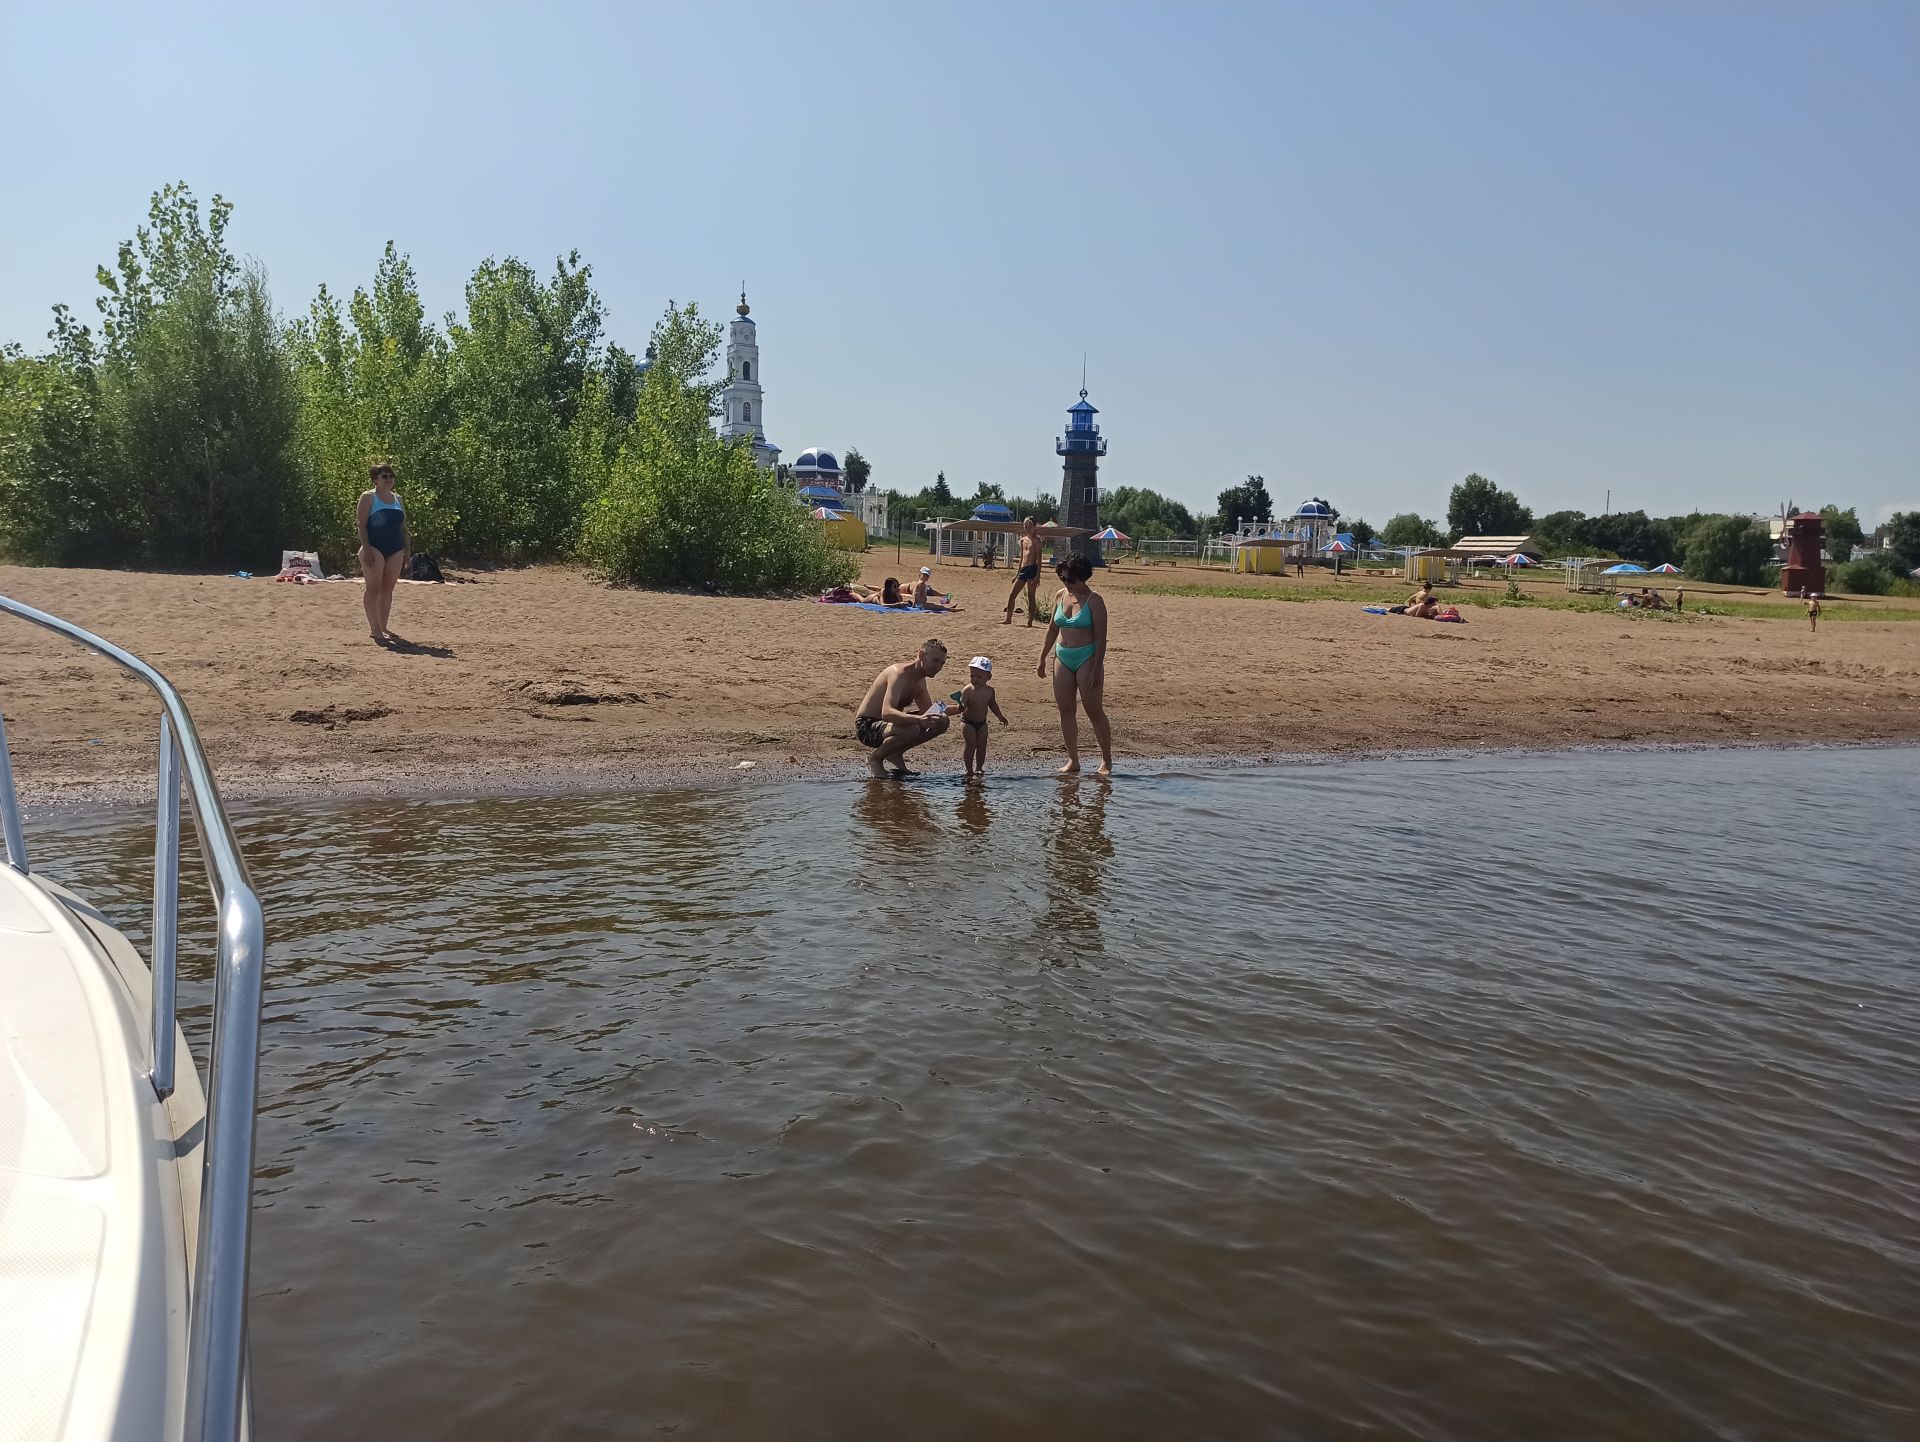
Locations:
(1029, 573)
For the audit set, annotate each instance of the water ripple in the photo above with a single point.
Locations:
(1468, 1097)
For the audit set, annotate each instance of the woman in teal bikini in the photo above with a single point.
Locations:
(1080, 670)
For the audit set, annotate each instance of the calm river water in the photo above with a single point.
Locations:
(1486, 1097)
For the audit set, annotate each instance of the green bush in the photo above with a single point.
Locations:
(681, 506)
(1862, 578)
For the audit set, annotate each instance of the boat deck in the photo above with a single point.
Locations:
(92, 1261)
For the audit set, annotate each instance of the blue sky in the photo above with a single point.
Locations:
(1662, 250)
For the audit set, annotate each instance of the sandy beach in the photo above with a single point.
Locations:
(542, 678)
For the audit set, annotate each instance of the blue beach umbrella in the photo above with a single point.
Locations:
(1625, 568)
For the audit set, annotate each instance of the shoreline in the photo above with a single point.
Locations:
(543, 681)
(67, 800)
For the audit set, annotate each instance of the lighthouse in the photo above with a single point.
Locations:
(1081, 446)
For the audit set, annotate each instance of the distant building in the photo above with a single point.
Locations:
(1310, 527)
(743, 410)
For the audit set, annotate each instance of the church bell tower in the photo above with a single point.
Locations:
(742, 405)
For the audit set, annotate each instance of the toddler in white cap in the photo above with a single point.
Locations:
(975, 700)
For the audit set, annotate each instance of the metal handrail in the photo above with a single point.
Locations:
(216, 1400)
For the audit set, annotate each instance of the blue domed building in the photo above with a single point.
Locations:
(818, 478)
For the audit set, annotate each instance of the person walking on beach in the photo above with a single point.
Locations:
(382, 524)
(1679, 599)
(1029, 573)
(1079, 672)
(898, 713)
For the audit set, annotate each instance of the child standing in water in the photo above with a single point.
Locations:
(976, 699)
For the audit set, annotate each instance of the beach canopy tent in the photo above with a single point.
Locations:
(1625, 568)
(1666, 568)
(993, 511)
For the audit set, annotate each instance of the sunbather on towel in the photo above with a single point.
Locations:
(923, 596)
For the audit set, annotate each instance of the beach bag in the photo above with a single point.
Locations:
(424, 568)
(308, 561)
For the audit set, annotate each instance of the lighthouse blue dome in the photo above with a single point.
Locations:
(1313, 510)
(817, 461)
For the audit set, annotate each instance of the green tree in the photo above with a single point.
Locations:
(857, 470)
(197, 406)
(1903, 537)
(939, 493)
(1729, 550)
(1409, 529)
(1560, 533)
(517, 370)
(987, 492)
(56, 506)
(1862, 578)
(1361, 532)
(1842, 532)
(1248, 501)
(1146, 514)
(682, 506)
(1042, 508)
(1478, 507)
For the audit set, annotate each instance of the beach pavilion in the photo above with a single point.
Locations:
(987, 532)
(1493, 550)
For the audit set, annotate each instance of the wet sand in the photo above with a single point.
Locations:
(535, 679)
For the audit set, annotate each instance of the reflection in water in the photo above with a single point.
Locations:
(1078, 854)
(895, 817)
(974, 814)
(797, 1112)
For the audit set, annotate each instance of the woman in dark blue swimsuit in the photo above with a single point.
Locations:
(383, 548)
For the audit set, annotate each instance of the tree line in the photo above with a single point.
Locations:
(196, 429)
(1708, 546)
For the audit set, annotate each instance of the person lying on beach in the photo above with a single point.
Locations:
(887, 595)
(898, 713)
(923, 596)
(976, 700)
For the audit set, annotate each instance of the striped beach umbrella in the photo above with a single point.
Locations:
(1337, 548)
(1666, 568)
(1518, 558)
(1110, 534)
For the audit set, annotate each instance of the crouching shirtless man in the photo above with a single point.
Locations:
(899, 714)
